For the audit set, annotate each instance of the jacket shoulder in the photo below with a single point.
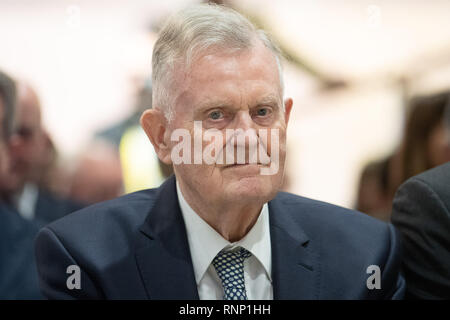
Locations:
(436, 174)
(105, 221)
(435, 179)
(335, 225)
(428, 191)
(321, 212)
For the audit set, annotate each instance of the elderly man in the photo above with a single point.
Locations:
(218, 229)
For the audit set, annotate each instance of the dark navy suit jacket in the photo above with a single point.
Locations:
(135, 247)
(18, 276)
(421, 212)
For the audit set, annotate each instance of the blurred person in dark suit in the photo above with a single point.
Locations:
(421, 211)
(218, 230)
(31, 153)
(18, 276)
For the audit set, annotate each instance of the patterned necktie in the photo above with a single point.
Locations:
(230, 269)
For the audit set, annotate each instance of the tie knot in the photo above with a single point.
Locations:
(230, 269)
(231, 257)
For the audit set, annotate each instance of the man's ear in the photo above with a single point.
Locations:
(154, 124)
(288, 103)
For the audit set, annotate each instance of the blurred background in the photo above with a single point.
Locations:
(369, 81)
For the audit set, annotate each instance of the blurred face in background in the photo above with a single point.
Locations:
(28, 147)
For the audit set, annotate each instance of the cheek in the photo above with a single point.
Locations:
(29, 151)
(276, 140)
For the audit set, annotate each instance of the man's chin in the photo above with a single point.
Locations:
(243, 170)
(247, 187)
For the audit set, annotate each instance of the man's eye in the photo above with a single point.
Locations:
(216, 115)
(25, 133)
(262, 112)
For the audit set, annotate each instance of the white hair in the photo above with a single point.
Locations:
(192, 31)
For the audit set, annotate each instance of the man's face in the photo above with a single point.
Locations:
(238, 90)
(28, 148)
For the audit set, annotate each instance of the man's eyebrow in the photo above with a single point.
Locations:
(211, 104)
(270, 99)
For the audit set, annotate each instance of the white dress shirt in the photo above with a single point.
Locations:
(25, 202)
(205, 243)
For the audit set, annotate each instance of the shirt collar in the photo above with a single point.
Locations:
(205, 242)
(26, 200)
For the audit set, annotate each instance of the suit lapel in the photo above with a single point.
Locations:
(162, 249)
(294, 264)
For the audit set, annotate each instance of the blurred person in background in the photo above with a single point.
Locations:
(31, 154)
(98, 174)
(56, 175)
(140, 165)
(424, 146)
(421, 212)
(114, 133)
(18, 275)
(425, 143)
(374, 196)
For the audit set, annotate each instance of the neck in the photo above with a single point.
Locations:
(230, 219)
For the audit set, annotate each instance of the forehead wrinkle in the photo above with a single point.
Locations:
(214, 103)
(268, 99)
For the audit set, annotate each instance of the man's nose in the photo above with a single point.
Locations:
(244, 121)
(245, 133)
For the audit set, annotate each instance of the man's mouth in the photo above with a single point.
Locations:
(236, 165)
